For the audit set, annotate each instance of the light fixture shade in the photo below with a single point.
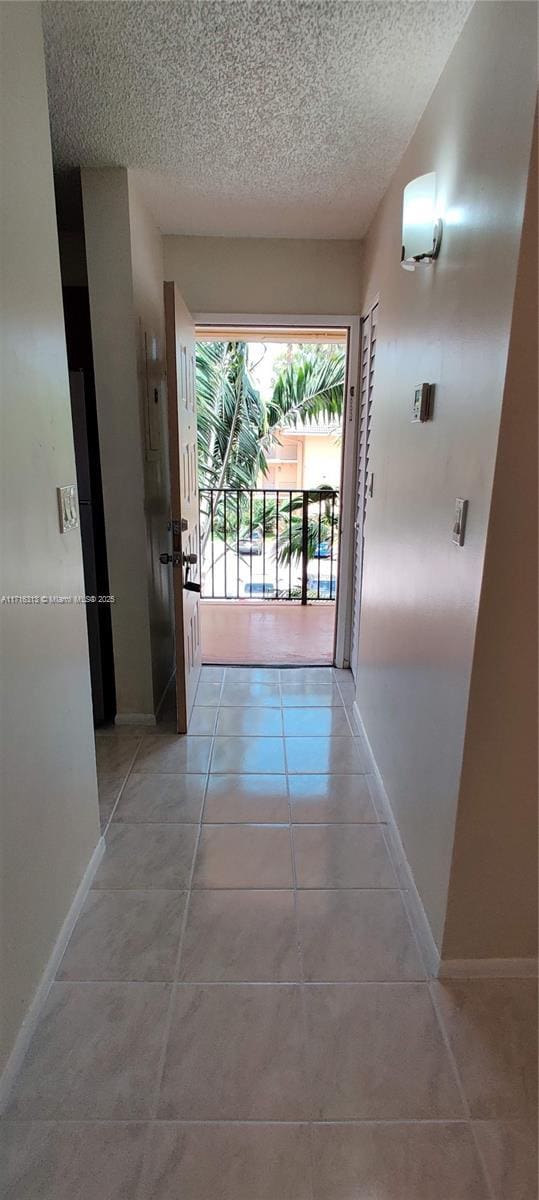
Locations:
(421, 225)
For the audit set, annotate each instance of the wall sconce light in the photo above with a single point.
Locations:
(421, 226)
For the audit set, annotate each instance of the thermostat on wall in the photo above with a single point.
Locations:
(423, 400)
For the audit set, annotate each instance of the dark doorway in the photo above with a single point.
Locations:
(92, 522)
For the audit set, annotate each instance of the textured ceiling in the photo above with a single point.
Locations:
(276, 119)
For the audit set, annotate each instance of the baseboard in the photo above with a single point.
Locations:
(412, 899)
(438, 968)
(35, 1009)
(144, 718)
(135, 719)
(488, 968)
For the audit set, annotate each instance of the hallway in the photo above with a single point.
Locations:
(242, 1012)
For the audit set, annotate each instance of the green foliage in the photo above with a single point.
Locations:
(236, 428)
(308, 388)
(296, 353)
(322, 521)
(232, 421)
(287, 522)
(236, 516)
(264, 516)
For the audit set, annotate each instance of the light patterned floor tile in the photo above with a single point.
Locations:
(241, 936)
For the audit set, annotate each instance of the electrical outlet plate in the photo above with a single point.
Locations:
(459, 526)
(67, 507)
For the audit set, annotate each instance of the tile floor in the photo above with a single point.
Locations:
(242, 1012)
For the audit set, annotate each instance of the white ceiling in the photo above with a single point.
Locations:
(284, 118)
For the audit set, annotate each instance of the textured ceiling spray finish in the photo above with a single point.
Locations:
(270, 119)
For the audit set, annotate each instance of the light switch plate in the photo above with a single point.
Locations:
(459, 526)
(67, 507)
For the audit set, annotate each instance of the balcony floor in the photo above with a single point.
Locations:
(267, 633)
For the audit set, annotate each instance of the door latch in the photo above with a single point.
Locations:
(188, 585)
(186, 560)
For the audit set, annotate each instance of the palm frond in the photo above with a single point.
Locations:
(309, 389)
(237, 428)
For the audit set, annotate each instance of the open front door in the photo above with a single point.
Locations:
(182, 431)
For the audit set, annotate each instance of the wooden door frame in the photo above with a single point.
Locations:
(350, 322)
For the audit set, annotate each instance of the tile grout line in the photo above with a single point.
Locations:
(331, 1121)
(170, 1010)
(138, 744)
(309, 984)
(460, 1088)
(168, 1019)
(231, 888)
(299, 951)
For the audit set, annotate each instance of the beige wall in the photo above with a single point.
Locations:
(114, 339)
(149, 315)
(287, 471)
(448, 324)
(322, 461)
(49, 813)
(307, 462)
(492, 908)
(265, 275)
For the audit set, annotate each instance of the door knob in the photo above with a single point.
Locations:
(188, 560)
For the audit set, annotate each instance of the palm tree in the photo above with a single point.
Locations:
(309, 387)
(322, 525)
(236, 428)
(231, 417)
(231, 422)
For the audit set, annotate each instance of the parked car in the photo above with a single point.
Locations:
(258, 587)
(251, 544)
(323, 589)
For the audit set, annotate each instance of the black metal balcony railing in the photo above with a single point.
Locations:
(269, 544)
